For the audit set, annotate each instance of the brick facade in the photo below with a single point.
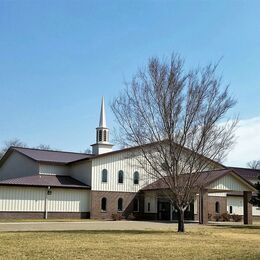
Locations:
(40, 215)
(212, 207)
(112, 203)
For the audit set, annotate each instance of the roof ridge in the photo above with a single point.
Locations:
(243, 168)
(47, 150)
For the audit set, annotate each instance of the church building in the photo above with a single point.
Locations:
(37, 183)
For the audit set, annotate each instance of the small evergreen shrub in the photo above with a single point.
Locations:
(116, 216)
(236, 218)
(225, 217)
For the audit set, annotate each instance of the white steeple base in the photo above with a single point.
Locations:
(101, 148)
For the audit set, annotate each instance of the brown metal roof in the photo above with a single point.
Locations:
(49, 156)
(249, 174)
(204, 179)
(45, 181)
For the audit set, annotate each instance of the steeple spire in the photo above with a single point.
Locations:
(102, 121)
(102, 144)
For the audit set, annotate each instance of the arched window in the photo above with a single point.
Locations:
(100, 135)
(104, 175)
(120, 176)
(217, 207)
(136, 177)
(136, 205)
(148, 206)
(104, 204)
(230, 209)
(105, 135)
(120, 204)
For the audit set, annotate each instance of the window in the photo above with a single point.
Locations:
(136, 205)
(120, 204)
(100, 135)
(148, 206)
(105, 135)
(104, 175)
(104, 204)
(217, 207)
(230, 209)
(120, 176)
(136, 177)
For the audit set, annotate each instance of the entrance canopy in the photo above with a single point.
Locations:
(217, 181)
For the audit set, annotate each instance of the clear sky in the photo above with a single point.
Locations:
(57, 58)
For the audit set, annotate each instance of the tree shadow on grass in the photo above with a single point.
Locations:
(249, 227)
(94, 232)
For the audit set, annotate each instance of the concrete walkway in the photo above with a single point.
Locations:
(91, 225)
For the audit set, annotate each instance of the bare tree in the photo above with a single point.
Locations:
(254, 164)
(176, 119)
(43, 147)
(12, 142)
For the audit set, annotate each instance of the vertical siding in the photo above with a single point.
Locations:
(237, 205)
(52, 169)
(113, 163)
(22, 199)
(229, 182)
(69, 200)
(150, 197)
(18, 165)
(32, 199)
(81, 171)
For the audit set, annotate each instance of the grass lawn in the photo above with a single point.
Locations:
(225, 242)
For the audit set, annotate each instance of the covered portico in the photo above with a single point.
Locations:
(158, 206)
(228, 181)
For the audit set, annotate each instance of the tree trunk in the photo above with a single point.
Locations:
(181, 220)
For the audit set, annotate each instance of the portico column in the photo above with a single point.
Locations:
(203, 207)
(247, 208)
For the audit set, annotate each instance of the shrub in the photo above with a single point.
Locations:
(236, 217)
(226, 217)
(130, 216)
(218, 217)
(116, 216)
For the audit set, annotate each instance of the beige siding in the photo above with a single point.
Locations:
(256, 211)
(237, 205)
(113, 163)
(81, 171)
(18, 165)
(229, 182)
(51, 169)
(69, 200)
(22, 199)
(150, 197)
(30, 199)
(217, 194)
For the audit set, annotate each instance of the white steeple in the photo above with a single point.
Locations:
(102, 121)
(102, 144)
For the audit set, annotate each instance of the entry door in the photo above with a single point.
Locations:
(163, 210)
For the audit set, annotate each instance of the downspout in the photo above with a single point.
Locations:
(46, 203)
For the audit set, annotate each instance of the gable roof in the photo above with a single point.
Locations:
(204, 180)
(247, 173)
(45, 181)
(48, 156)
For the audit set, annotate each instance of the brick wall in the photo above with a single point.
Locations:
(112, 203)
(40, 215)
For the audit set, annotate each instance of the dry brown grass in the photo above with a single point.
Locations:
(197, 243)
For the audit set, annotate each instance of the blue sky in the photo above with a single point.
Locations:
(57, 58)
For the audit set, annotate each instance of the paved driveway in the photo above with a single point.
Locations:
(88, 225)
